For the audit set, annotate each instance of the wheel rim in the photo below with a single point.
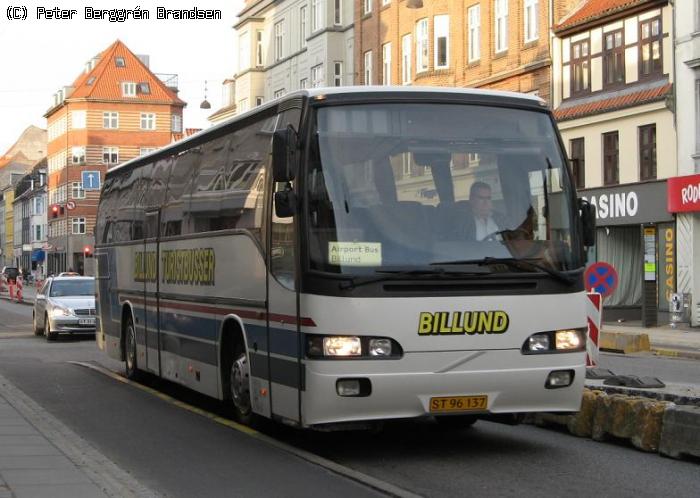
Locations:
(130, 349)
(240, 388)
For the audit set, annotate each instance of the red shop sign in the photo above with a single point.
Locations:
(684, 194)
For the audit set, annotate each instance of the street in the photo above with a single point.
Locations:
(178, 453)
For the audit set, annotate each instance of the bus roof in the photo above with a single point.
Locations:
(375, 91)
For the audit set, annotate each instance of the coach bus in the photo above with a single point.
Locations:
(342, 256)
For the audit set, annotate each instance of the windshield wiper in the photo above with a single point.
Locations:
(416, 273)
(516, 264)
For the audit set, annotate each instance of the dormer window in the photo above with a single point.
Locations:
(144, 88)
(119, 62)
(128, 89)
(90, 80)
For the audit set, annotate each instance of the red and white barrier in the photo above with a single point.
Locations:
(20, 287)
(594, 311)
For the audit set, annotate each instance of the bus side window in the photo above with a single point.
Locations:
(175, 216)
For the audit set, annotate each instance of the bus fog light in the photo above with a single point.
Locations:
(380, 347)
(568, 339)
(342, 346)
(559, 378)
(538, 342)
(348, 387)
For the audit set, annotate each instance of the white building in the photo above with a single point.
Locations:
(613, 99)
(687, 97)
(288, 45)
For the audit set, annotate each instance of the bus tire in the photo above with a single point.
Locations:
(131, 369)
(456, 422)
(239, 382)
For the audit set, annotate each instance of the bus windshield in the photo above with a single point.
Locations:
(421, 184)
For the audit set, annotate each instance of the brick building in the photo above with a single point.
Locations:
(115, 110)
(494, 44)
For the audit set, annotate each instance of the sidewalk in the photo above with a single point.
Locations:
(682, 341)
(41, 457)
(28, 296)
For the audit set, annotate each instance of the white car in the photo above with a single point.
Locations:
(65, 305)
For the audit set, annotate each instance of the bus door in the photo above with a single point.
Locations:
(151, 288)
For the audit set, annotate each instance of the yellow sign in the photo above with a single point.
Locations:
(462, 322)
(355, 253)
(188, 266)
(145, 266)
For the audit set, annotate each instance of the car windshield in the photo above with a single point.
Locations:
(412, 185)
(65, 288)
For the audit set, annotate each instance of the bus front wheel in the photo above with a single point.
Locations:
(130, 364)
(240, 386)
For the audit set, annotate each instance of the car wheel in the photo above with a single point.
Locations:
(131, 368)
(37, 330)
(50, 336)
(240, 386)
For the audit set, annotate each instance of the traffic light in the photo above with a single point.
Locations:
(87, 251)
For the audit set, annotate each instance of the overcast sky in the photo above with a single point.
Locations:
(37, 57)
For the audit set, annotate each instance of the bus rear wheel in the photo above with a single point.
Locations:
(240, 386)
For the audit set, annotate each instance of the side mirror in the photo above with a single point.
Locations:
(285, 202)
(588, 221)
(284, 154)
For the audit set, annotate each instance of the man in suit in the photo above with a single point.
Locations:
(482, 210)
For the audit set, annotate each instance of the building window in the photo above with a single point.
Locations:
(259, 101)
(647, 152)
(501, 25)
(474, 29)
(406, 59)
(243, 51)
(243, 105)
(611, 158)
(144, 88)
(146, 150)
(304, 83)
(578, 161)
(316, 15)
(650, 38)
(279, 93)
(422, 45)
(110, 155)
(148, 121)
(176, 123)
(119, 62)
(77, 191)
(317, 78)
(259, 47)
(338, 12)
(613, 59)
(77, 226)
(367, 7)
(531, 17)
(302, 26)
(128, 89)
(279, 40)
(368, 67)
(385, 2)
(78, 119)
(338, 73)
(110, 120)
(78, 155)
(580, 68)
(386, 63)
(37, 233)
(441, 29)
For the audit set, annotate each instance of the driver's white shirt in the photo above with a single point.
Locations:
(484, 227)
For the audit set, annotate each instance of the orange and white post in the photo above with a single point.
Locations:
(594, 311)
(20, 287)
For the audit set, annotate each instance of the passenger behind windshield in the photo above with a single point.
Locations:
(409, 185)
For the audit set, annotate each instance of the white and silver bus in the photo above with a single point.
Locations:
(342, 256)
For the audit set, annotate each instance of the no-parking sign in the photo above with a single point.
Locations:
(602, 278)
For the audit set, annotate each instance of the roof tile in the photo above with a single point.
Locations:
(591, 10)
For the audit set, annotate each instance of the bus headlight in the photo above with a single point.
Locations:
(555, 341)
(342, 346)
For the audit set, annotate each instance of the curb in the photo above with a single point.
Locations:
(649, 425)
(624, 342)
(675, 353)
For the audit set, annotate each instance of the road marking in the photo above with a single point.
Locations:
(372, 482)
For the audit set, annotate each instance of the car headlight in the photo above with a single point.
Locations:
(351, 347)
(556, 341)
(60, 311)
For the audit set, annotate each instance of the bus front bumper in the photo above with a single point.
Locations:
(403, 388)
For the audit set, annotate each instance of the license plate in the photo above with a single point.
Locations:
(458, 403)
(86, 321)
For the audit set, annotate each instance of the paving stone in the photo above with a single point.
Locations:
(41, 449)
(59, 491)
(34, 462)
(23, 477)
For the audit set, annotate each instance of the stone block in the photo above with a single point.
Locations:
(680, 435)
(624, 342)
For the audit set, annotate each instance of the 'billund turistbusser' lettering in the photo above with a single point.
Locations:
(462, 322)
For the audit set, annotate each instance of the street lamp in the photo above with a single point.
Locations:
(205, 103)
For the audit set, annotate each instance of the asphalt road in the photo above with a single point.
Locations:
(181, 454)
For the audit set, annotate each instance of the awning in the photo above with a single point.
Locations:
(38, 255)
